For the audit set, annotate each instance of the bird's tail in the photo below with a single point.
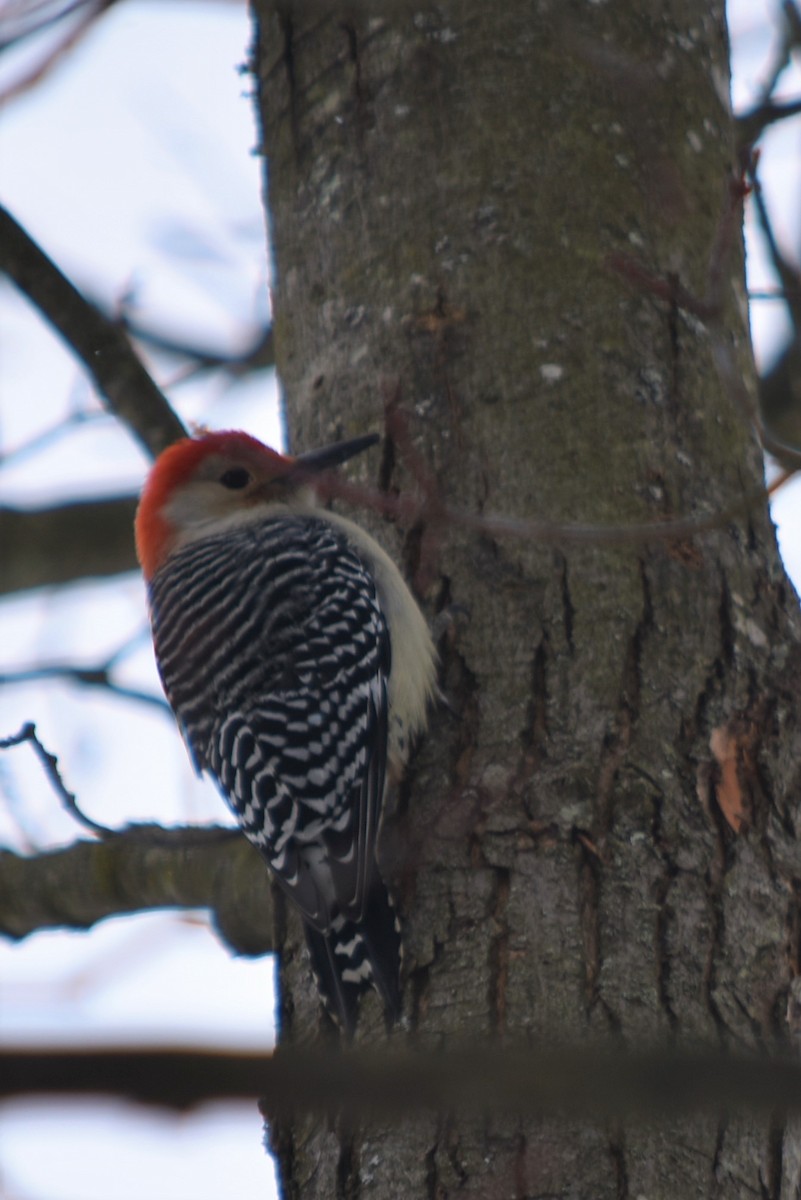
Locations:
(353, 956)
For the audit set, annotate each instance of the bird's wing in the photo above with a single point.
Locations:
(275, 656)
(311, 805)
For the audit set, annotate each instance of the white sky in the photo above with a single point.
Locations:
(132, 165)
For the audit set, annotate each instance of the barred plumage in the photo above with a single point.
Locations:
(275, 656)
(298, 667)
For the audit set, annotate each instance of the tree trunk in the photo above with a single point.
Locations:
(597, 838)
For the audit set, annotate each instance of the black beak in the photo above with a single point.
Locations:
(338, 452)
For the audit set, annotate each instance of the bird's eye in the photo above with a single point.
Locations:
(235, 478)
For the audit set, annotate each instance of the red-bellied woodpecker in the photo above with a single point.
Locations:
(299, 667)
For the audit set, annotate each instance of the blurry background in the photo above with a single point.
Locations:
(127, 151)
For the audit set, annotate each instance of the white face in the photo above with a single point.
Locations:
(228, 489)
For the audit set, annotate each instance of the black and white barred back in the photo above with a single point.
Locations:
(275, 656)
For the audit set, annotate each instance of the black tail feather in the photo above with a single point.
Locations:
(353, 956)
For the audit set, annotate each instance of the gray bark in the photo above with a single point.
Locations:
(136, 869)
(598, 837)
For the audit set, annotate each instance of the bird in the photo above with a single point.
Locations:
(300, 669)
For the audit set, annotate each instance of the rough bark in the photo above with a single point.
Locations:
(598, 837)
(133, 870)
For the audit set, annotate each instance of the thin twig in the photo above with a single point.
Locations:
(786, 270)
(50, 765)
(411, 508)
(69, 40)
(41, 441)
(99, 677)
(781, 479)
(669, 288)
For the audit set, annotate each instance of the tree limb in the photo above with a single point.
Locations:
(93, 10)
(101, 345)
(595, 1083)
(50, 546)
(138, 869)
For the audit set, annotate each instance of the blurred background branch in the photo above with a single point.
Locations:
(595, 1082)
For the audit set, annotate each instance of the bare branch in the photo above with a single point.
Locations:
(104, 349)
(257, 355)
(669, 287)
(22, 19)
(789, 456)
(595, 1083)
(93, 538)
(54, 433)
(98, 677)
(789, 42)
(83, 540)
(93, 10)
(50, 764)
(752, 124)
(786, 270)
(139, 869)
(412, 508)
